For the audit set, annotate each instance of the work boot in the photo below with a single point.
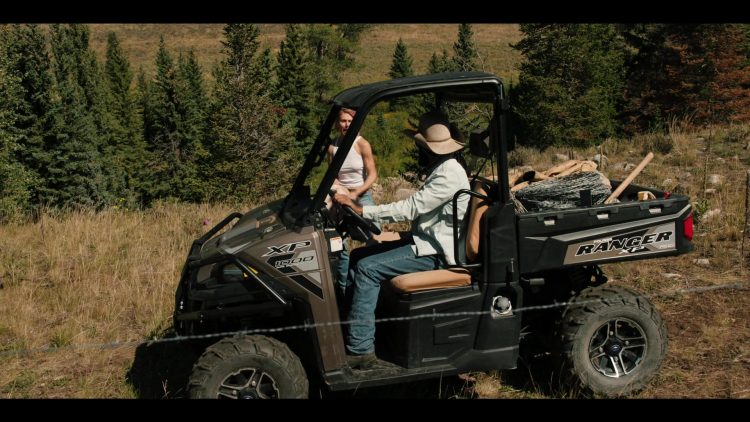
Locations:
(365, 361)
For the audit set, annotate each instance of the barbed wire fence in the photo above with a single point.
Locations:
(736, 285)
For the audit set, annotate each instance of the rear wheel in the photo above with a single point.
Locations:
(613, 341)
(248, 367)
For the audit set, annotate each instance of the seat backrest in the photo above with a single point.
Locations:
(477, 208)
(479, 147)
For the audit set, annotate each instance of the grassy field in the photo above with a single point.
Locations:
(82, 293)
(141, 41)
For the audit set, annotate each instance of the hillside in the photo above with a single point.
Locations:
(140, 42)
(87, 296)
(83, 293)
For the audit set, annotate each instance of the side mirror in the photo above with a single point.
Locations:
(511, 144)
(479, 144)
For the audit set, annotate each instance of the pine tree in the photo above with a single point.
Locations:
(465, 53)
(350, 33)
(570, 83)
(192, 102)
(143, 104)
(28, 59)
(331, 51)
(249, 150)
(160, 126)
(144, 115)
(646, 57)
(172, 122)
(730, 87)
(710, 80)
(264, 69)
(76, 176)
(120, 77)
(464, 59)
(191, 89)
(15, 179)
(426, 102)
(126, 146)
(401, 66)
(439, 64)
(684, 71)
(108, 127)
(294, 90)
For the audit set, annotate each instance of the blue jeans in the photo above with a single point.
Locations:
(343, 268)
(371, 266)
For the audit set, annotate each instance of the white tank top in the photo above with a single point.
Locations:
(352, 172)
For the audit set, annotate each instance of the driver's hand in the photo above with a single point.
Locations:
(342, 199)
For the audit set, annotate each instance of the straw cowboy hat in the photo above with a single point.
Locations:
(434, 134)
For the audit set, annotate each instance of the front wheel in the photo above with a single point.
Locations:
(613, 341)
(248, 367)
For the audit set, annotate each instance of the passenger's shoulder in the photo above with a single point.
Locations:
(362, 142)
(454, 171)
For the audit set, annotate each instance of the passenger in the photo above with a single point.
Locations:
(356, 175)
(429, 247)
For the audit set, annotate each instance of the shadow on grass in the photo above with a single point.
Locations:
(534, 375)
(538, 372)
(161, 370)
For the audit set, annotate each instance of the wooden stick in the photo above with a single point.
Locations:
(625, 183)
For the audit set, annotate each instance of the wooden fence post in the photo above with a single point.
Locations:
(746, 227)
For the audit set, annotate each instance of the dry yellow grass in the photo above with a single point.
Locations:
(422, 40)
(141, 41)
(85, 278)
(705, 329)
(89, 278)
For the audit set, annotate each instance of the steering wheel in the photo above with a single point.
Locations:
(358, 227)
(360, 221)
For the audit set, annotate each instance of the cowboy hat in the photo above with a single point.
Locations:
(434, 134)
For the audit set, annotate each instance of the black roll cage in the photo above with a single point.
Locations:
(298, 210)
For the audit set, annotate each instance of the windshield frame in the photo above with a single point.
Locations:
(299, 208)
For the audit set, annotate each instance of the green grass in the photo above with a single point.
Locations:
(20, 383)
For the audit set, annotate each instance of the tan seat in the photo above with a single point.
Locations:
(428, 280)
(451, 277)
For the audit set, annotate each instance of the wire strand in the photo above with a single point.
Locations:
(113, 345)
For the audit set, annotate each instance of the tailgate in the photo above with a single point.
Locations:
(603, 233)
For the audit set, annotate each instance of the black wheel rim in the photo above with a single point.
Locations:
(248, 383)
(618, 347)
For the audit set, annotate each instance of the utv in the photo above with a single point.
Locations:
(265, 286)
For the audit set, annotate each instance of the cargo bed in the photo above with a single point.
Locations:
(627, 230)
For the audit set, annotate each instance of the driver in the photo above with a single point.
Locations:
(429, 247)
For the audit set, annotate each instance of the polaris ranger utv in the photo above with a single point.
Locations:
(271, 277)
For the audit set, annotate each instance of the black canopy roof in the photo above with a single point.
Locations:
(476, 86)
